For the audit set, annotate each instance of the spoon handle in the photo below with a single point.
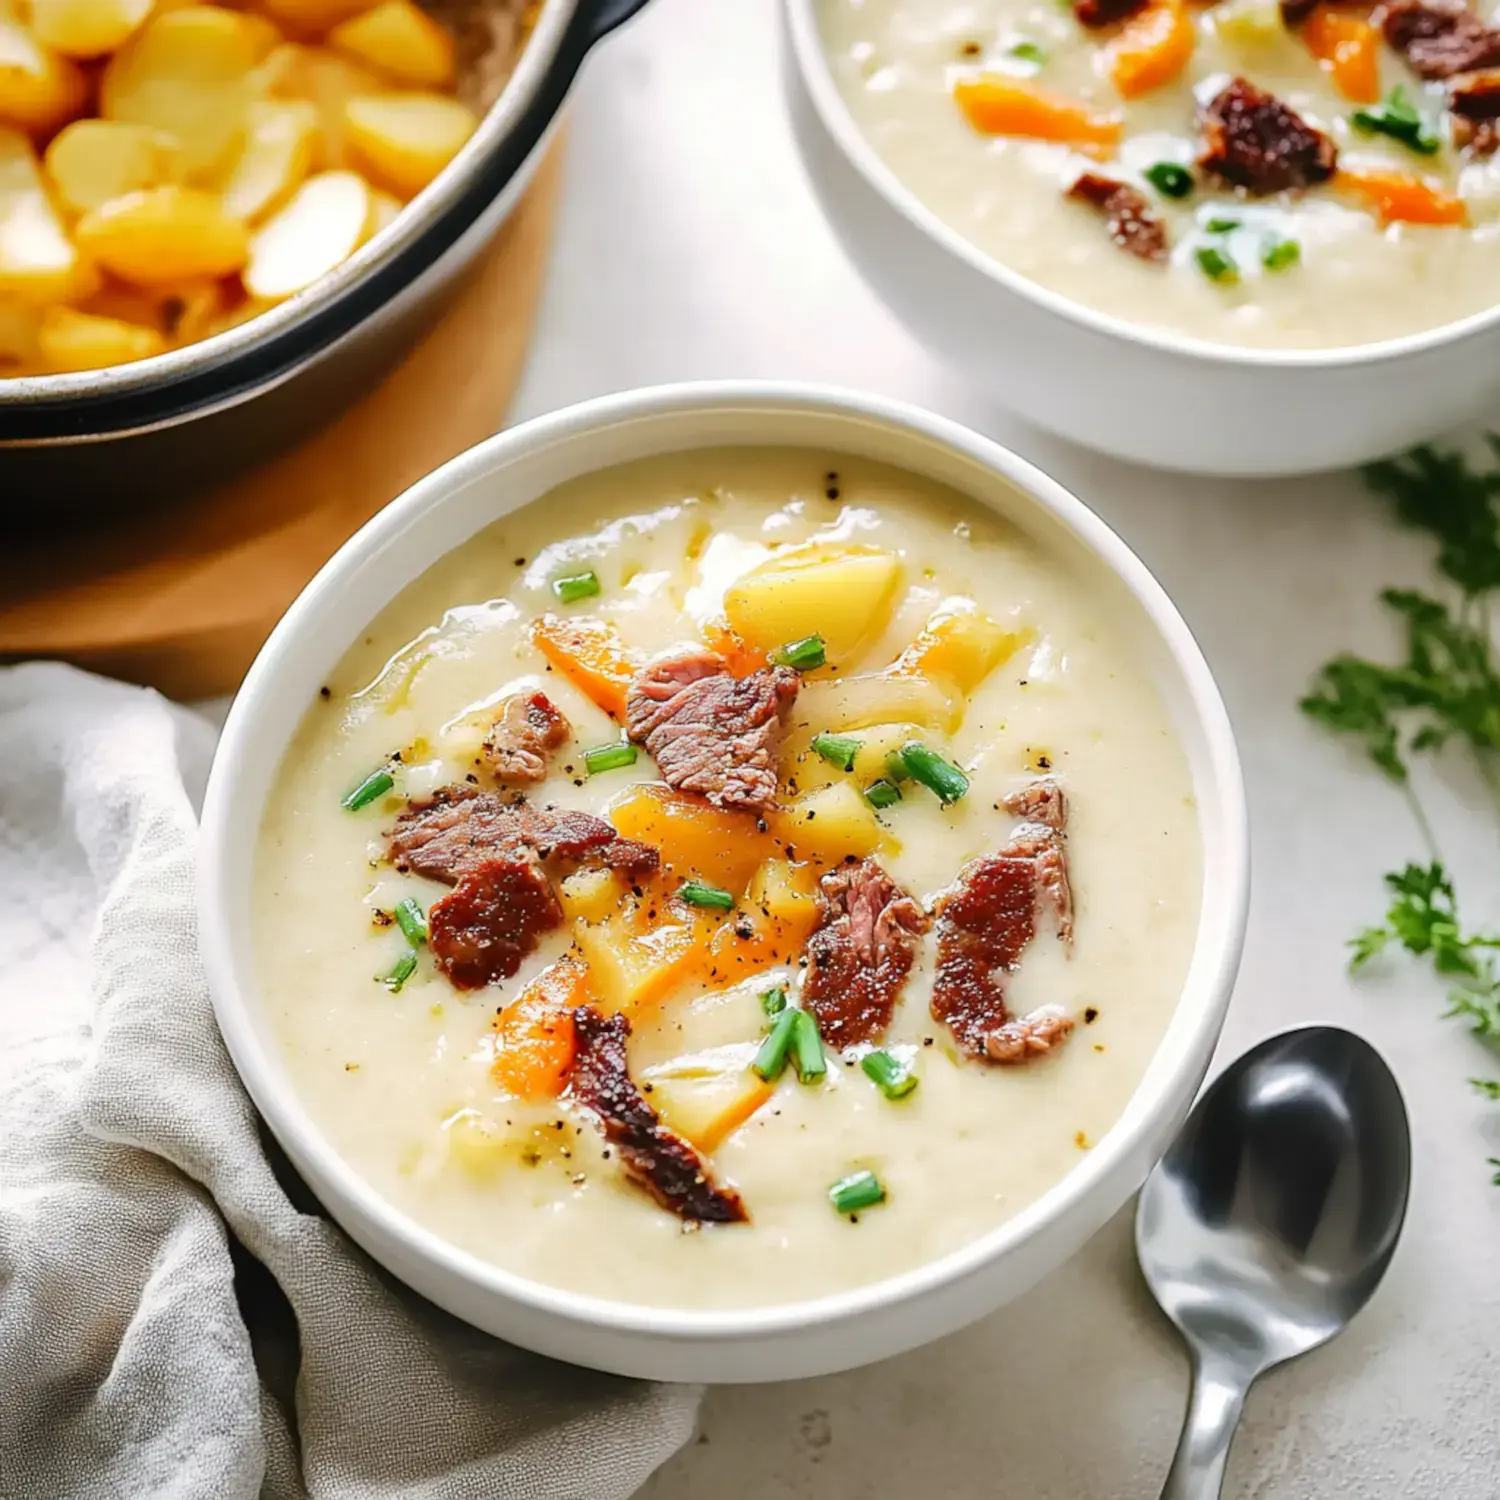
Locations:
(1213, 1413)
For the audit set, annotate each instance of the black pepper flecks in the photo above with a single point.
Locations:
(1090, 1015)
(970, 49)
(325, 692)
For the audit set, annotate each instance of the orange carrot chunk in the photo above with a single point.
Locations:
(741, 657)
(590, 655)
(1002, 106)
(1400, 199)
(1348, 50)
(534, 1040)
(1152, 48)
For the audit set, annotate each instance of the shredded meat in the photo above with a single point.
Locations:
(458, 829)
(1295, 12)
(660, 1161)
(1440, 40)
(861, 952)
(711, 732)
(480, 931)
(1106, 12)
(529, 727)
(1475, 103)
(985, 922)
(1132, 223)
(1253, 141)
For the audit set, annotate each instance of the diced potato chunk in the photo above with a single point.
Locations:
(326, 81)
(961, 644)
(802, 765)
(784, 892)
(92, 161)
(843, 593)
(281, 136)
(633, 965)
(405, 140)
(706, 1096)
(20, 334)
(72, 340)
(326, 221)
(1251, 25)
(39, 89)
(590, 895)
(843, 704)
(163, 235)
(402, 41)
(312, 16)
(37, 260)
(186, 72)
(86, 28)
(830, 823)
(696, 840)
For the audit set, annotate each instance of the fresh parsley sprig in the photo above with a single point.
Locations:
(1445, 691)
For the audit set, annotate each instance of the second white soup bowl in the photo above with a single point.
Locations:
(443, 512)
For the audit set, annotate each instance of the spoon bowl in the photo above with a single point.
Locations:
(1271, 1220)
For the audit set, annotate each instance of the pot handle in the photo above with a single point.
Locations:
(608, 14)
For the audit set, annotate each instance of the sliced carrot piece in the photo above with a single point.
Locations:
(534, 1034)
(590, 655)
(1152, 48)
(741, 656)
(1002, 106)
(1400, 199)
(1348, 50)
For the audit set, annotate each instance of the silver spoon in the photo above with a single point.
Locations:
(1270, 1221)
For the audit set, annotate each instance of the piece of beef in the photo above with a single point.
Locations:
(1295, 12)
(860, 953)
(1132, 223)
(709, 731)
(529, 727)
(1475, 103)
(459, 829)
(1255, 142)
(483, 928)
(659, 1160)
(1095, 13)
(1440, 40)
(985, 922)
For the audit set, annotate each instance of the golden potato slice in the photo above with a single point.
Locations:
(72, 340)
(327, 220)
(387, 211)
(326, 81)
(405, 140)
(39, 89)
(86, 28)
(264, 34)
(400, 40)
(278, 155)
(38, 263)
(92, 161)
(188, 73)
(312, 17)
(20, 329)
(164, 235)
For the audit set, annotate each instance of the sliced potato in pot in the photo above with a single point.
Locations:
(326, 221)
(93, 161)
(86, 28)
(73, 340)
(39, 88)
(281, 137)
(38, 262)
(164, 235)
(405, 140)
(400, 40)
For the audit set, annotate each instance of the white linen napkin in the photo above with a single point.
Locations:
(135, 1364)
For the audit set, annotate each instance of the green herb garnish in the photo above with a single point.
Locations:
(1215, 264)
(935, 773)
(1029, 53)
(695, 893)
(1169, 179)
(1280, 254)
(1398, 118)
(857, 1191)
(401, 971)
(888, 1075)
(412, 921)
(807, 1049)
(1222, 226)
(376, 784)
(771, 1058)
(608, 758)
(773, 1002)
(882, 794)
(805, 655)
(840, 749)
(576, 586)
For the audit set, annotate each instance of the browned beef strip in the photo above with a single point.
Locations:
(659, 1160)
(1440, 40)
(1253, 141)
(528, 729)
(1295, 12)
(458, 829)
(984, 924)
(482, 929)
(861, 952)
(1475, 105)
(1106, 12)
(1132, 223)
(708, 731)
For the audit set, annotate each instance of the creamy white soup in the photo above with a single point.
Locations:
(1295, 176)
(734, 878)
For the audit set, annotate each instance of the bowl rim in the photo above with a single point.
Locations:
(1192, 1031)
(834, 116)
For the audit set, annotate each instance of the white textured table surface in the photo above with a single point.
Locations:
(690, 247)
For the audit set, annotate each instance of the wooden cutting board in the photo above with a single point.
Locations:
(182, 599)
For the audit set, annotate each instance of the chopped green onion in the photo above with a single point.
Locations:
(1215, 264)
(1398, 118)
(695, 893)
(1281, 254)
(1028, 52)
(608, 758)
(935, 773)
(807, 1048)
(895, 768)
(405, 967)
(859, 1190)
(576, 586)
(1221, 226)
(376, 784)
(838, 748)
(882, 794)
(1169, 179)
(804, 656)
(771, 1058)
(773, 1002)
(888, 1075)
(412, 921)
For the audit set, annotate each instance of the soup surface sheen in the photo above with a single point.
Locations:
(402, 1082)
(1354, 280)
